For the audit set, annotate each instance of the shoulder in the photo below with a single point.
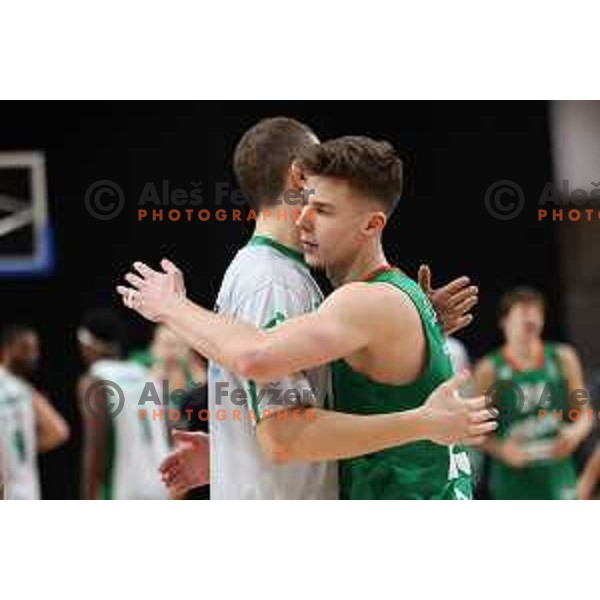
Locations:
(83, 384)
(359, 293)
(258, 273)
(485, 369)
(373, 304)
(567, 355)
(486, 364)
(14, 385)
(260, 263)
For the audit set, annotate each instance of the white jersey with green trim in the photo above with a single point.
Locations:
(265, 284)
(137, 432)
(458, 354)
(18, 444)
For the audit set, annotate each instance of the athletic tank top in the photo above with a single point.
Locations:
(18, 445)
(422, 470)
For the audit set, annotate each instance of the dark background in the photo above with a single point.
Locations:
(454, 152)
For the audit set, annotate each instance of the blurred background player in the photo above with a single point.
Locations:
(123, 447)
(194, 405)
(28, 422)
(169, 360)
(184, 373)
(531, 453)
(588, 480)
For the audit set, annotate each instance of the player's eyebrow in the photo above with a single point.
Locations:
(320, 204)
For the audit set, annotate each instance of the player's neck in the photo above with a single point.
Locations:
(9, 366)
(369, 258)
(524, 352)
(13, 369)
(279, 228)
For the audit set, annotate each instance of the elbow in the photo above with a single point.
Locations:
(59, 435)
(252, 364)
(63, 433)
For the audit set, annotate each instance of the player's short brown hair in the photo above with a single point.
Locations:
(369, 166)
(264, 154)
(519, 295)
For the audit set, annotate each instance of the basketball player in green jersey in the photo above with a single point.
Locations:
(531, 382)
(378, 325)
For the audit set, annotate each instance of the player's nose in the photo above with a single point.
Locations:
(305, 218)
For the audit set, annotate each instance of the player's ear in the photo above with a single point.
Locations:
(296, 177)
(375, 222)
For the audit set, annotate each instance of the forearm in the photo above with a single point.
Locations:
(581, 428)
(220, 338)
(591, 472)
(313, 434)
(91, 475)
(52, 429)
(250, 352)
(53, 434)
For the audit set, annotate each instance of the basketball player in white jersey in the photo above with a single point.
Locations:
(28, 422)
(125, 438)
(266, 283)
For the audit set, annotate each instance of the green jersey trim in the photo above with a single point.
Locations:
(277, 318)
(263, 240)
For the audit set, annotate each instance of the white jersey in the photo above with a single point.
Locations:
(458, 354)
(265, 284)
(18, 445)
(137, 440)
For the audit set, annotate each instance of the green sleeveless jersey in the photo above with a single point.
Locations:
(520, 396)
(422, 470)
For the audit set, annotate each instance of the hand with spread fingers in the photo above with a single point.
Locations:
(187, 466)
(458, 420)
(452, 302)
(152, 293)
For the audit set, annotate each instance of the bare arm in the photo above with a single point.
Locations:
(588, 480)
(314, 434)
(342, 325)
(575, 381)
(572, 434)
(52, 429)
(310, 434)
(94, 424)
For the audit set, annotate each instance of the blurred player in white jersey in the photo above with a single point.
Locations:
(125, 436)
(28, 422)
